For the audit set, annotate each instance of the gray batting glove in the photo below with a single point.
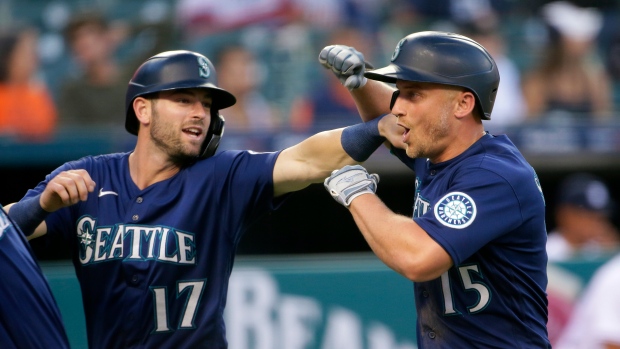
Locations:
(347, 63)
(350, 182)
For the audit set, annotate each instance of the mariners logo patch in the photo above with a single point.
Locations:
(397, 50)
(456, 210)
(204, 69)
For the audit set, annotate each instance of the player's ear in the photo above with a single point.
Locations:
(142, 108)
(466, 102)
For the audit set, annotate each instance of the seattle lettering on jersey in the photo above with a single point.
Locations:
(134, 242)
(420, 206)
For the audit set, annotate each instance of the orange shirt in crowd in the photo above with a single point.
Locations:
(27, 112)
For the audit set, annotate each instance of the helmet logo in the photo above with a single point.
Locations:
(397, 50)
(204, 70)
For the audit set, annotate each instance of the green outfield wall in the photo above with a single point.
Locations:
(323, 301)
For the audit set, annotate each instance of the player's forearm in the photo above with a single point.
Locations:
(323, 153)
(398, 241)
(310, 161)
(373, 99)
(313, 160)
(29, 217)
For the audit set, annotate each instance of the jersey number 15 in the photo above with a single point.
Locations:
(484, 296)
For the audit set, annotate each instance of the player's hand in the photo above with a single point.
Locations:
(350, 182)
(347, 63)
(66, 189)
(393, 133)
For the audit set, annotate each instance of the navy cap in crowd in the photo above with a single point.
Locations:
(586, 191)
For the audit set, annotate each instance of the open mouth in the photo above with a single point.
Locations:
(405, 132)
(194, 132)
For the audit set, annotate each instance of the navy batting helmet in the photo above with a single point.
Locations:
(444, 58)
(173, 70)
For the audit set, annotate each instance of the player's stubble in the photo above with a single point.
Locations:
(437, 129)
(163, 133)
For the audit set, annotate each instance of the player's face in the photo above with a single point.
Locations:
(179, 122)
(425, 111)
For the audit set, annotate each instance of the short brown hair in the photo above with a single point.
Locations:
(83, 19)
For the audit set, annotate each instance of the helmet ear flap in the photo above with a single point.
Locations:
(214, 134)
(394, 97)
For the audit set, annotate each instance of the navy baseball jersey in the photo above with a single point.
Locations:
(154, 264)
(486, 209)
(29, 315)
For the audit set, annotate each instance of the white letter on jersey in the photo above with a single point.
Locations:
(162, 247)
(100, 243)
(117, 245)
(135, 240)
(186, 248)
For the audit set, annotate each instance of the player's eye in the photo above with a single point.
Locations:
(405, 94)
(410, 94)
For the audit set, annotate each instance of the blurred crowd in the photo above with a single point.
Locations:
(70, 61)
(584, 315)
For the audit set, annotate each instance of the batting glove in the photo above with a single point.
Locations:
(346, 63)
(349, 182)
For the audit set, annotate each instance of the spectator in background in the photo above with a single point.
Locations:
(584, 230)
(509, 108)
(402, 17)
(27, 110)
(240, 73)
(612, 58)
(570, 81)
(595, 321)
(91, 97)
(330, 105)
(461, 10)
(584, 220)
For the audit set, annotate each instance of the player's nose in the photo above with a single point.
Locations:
(395, 106)
(397, 110)
(200, 110)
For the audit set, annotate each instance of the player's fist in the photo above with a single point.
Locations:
(349, 182)
(66, 189)
(346, 63)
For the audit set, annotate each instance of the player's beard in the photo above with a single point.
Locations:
(436, 130)
(165, 138)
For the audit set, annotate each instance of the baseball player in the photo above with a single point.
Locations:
(29, 316)
(475, 247)
(154, 231)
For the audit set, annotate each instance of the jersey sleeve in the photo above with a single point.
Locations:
(246, 187)
(478, 206)
(30, 315)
